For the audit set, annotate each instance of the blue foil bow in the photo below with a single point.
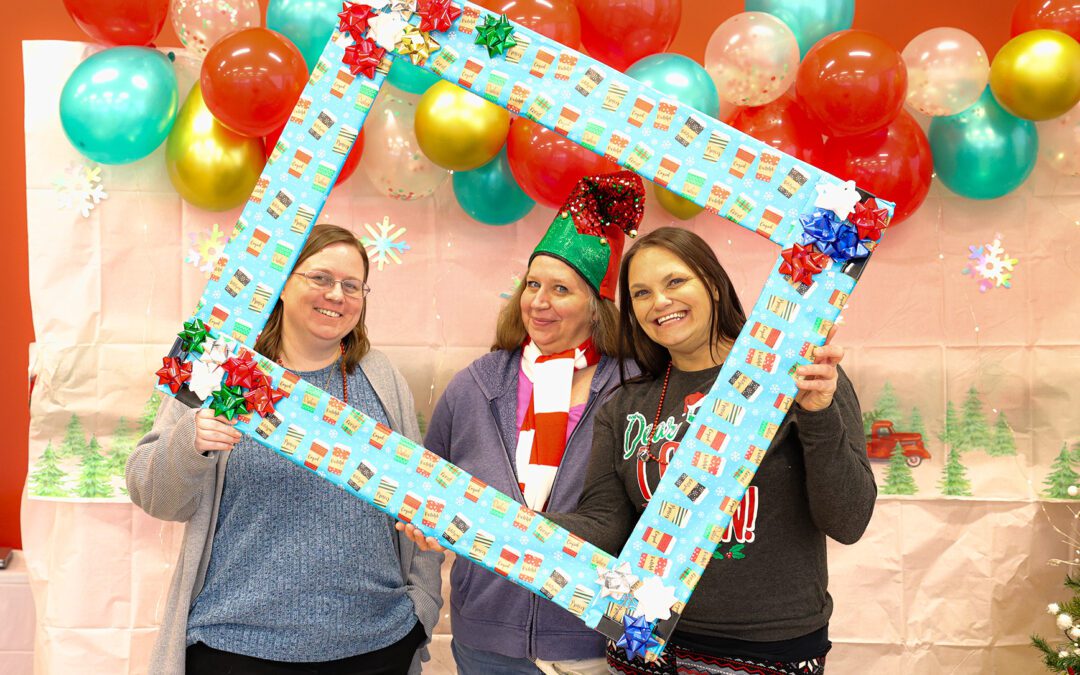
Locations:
(836, 238)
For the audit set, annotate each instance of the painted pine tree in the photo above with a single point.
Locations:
(422, 423)
(954, 482)
(887, 406)
(1003, 443)
(94, 478)
(974, 430)
(898, 478)
(1061, 476)
(47, 478)
(146, 422)
(950, 432)
(915, 423)
(74, 443)
(1076, 452)
(123, 442)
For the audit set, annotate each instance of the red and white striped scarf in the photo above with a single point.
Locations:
(542, 437)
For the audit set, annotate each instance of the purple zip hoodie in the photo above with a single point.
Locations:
(474, 426)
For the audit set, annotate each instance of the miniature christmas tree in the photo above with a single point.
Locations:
(1003, 443)
(898, 478)
(1065, 656)
(949, 433)
(887, 406)
(146, 422)
(915, 423)
(74, 443)
(974, 431)
(94, 479)
(954, 483)
(47, 478)
(1061, 476)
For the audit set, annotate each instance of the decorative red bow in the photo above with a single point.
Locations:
(802, 263)
(363, 57)
(870, 220)
(243, 372)
(173, 372)
(354, 19)
(262, 399)
(437, 14)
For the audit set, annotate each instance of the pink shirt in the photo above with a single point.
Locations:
(525, 388)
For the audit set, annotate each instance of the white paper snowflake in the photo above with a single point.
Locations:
(79, 188)
(990, 265)
(654, 599)
(205, 249)
(383, 245)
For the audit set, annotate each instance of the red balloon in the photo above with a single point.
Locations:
(557, 19)
(120, 22)
(785, 126)
(894, 163)
(1060, 15)
(546, 165)
(347, 169)
(251, 79)
(853, 82)
(620, 32)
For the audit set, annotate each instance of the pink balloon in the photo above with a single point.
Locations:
(947, 71)
(753, 58)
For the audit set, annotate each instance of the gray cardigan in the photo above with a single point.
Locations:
(169, 480)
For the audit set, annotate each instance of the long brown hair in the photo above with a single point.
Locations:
(510, 328)
(726, 312)
(356, 342)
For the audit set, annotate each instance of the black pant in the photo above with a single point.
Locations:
(392, 660)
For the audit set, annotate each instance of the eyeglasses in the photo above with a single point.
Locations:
(353, 288)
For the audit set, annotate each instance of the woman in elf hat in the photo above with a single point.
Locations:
(521, 417)
(762, 604)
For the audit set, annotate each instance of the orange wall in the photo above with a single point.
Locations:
(988, 20)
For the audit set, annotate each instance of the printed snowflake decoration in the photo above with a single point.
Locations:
(990, 265)
(383, 245)
(205, 249)
(79, 188)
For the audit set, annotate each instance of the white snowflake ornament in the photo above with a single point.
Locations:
(79, 188)
(386, 29)
(654, 599)
(615, 583)
(840, 199)
(205, 378)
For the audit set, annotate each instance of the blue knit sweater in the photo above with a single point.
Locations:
(300, 570)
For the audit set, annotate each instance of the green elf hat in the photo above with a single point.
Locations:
(588, 232)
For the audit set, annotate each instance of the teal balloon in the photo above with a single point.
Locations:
(308, 23)
(680, 77)
(407, 77)
(810, 20)
(983, 152)
(490, 194)
(119, 104)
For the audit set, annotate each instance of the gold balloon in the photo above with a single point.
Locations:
(1036, 75)
(681, 208)
(211, 167)
(458, 130)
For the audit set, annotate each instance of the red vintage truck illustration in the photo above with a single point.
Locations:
(883, 438)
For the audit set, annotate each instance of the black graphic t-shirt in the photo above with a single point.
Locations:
(768, 579)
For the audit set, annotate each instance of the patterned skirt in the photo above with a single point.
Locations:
(680, 661)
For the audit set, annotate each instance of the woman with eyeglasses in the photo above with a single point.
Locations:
(281, 571)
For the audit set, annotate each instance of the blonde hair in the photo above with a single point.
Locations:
(356, 341)
(510, 330)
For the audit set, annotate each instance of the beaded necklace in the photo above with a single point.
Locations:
(645, 452)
